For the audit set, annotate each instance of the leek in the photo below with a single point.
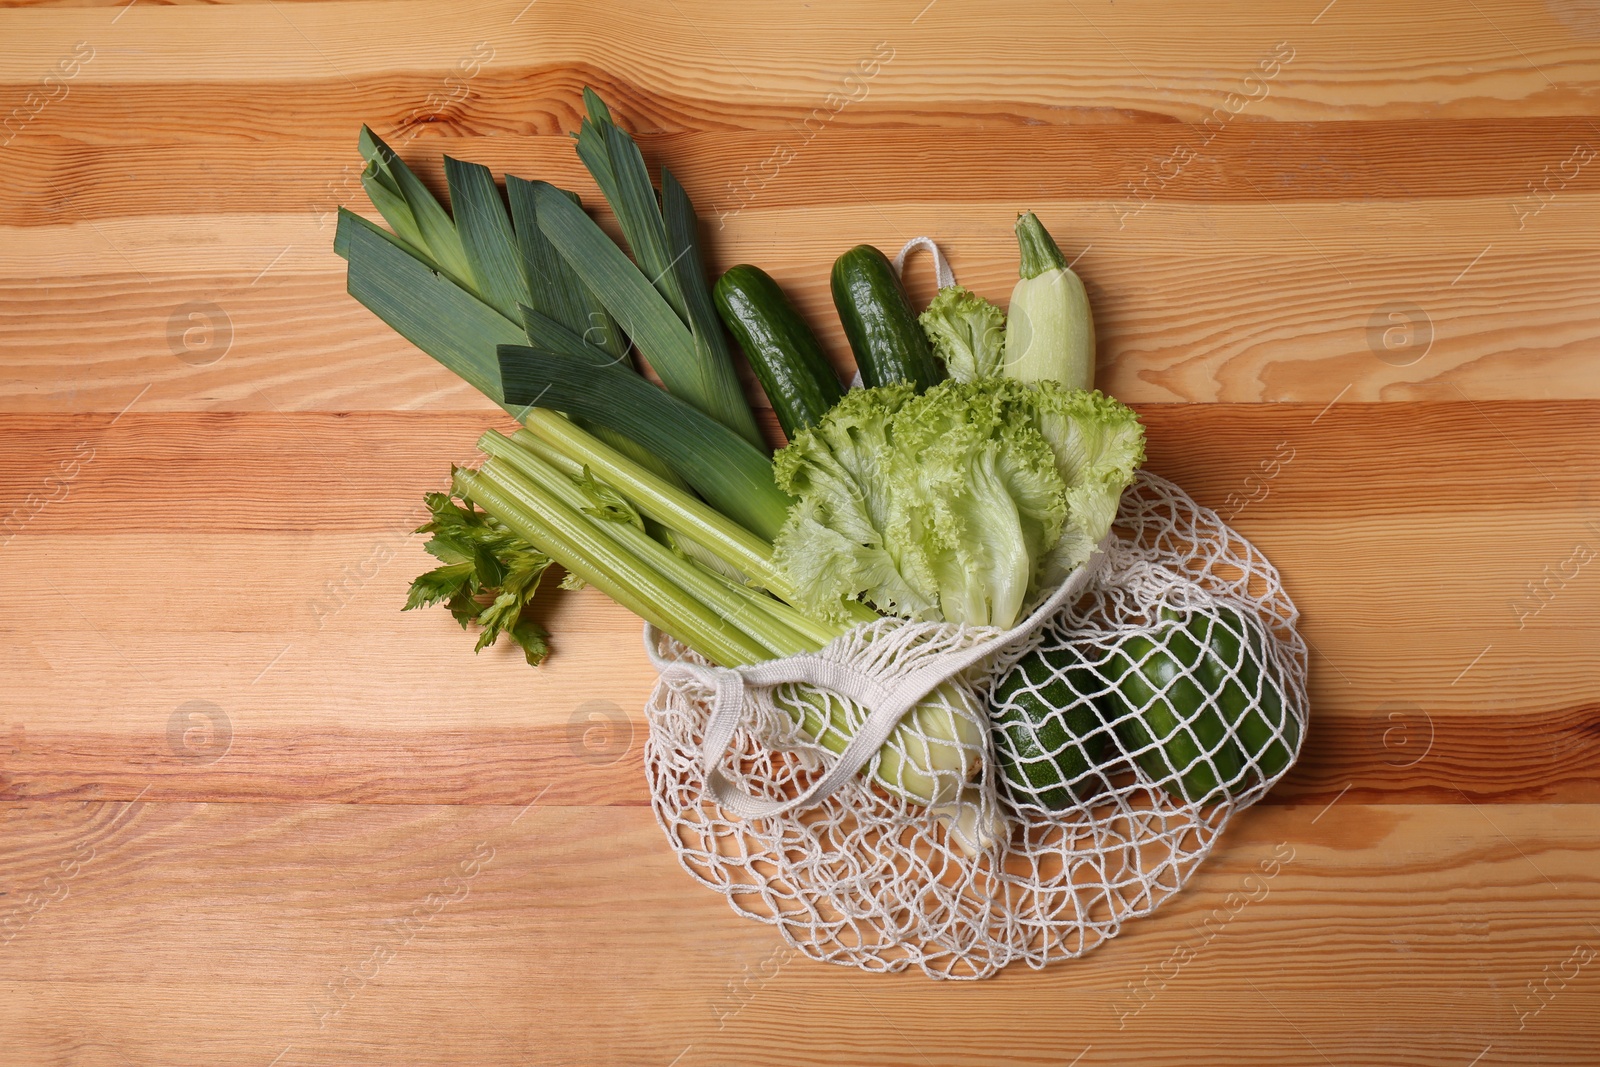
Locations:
(685, 367)
(556, 292)
(424, 304)
(733, 475)
(486, 237)
(408, 206)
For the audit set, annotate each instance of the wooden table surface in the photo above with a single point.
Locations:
(1343, 257)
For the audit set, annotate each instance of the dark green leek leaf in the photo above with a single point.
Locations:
(547, 333)
(683, 241)
(433, 224)
(592, 146)
(423, 306)
(386, 197)
(669, 345)
(640, 217)
(628, 295)
(595, 106)
(733, 475)
(665, 245)
(554, 290)
(486, 236)
(341, 236)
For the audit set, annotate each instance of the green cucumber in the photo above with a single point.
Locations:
(884, 334)
(781, 348)
(1048, 730)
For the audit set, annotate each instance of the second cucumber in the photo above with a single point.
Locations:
(884, 334)
(781, 348)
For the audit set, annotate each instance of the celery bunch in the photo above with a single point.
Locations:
(617, 535)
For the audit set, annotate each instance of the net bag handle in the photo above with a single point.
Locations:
(941, 266)
(887, 702)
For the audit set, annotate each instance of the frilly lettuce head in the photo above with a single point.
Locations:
(967, 331)
(959, 504)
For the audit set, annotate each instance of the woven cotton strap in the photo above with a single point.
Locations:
(941, 268)
(886, 703)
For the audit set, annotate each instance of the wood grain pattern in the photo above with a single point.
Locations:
(252, 813)
(292, 899)
(1245, 162)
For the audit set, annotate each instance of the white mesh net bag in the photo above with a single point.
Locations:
(959, 798)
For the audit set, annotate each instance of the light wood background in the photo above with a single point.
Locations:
(253, 814)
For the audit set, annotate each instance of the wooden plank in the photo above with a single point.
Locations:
(60, 181)
(1438, 60)
(1293, 304)
(224, 471)
(1342, 257)
(426, 921)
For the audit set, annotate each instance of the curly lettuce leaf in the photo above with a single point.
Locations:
(1098, 443)
(960, 504)
(967, 331)
(988, 501)
(842, 538)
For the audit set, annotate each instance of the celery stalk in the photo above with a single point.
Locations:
(571, 540)
(673, 508)
(817, 631)
(927, 758)
(574, 469)
(668, 505)
(518, 469)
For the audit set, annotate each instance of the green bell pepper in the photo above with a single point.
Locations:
(1164, 717)
(1254, 710)
(1164, 685)
(1174, 698)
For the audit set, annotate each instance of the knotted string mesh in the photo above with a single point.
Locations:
(1046, 785)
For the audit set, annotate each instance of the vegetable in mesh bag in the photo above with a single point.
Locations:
(1201, 707)
(1050, 734)
(863, 882)
(968, 333)
(878, 321)
(1050, 328)
(783, 352)
(1194, 700)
